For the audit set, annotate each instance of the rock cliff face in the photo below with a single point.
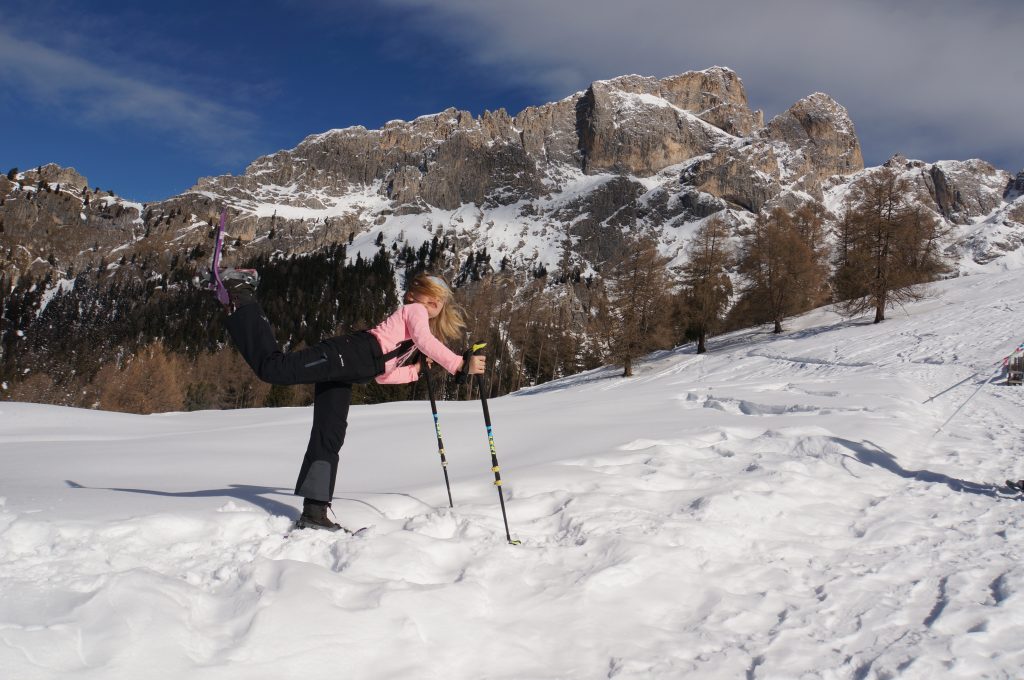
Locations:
(640, 125)
(746, 177)
(820, 131)
(630, 125)
(51, 220)
(558, 183)
(1014, 188)
(639, 134)
(963, 190)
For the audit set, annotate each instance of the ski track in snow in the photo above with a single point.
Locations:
(777, 508)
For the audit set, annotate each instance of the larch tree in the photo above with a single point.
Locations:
(889, 247)
(639, 302)
(706, 284)
(784, 262)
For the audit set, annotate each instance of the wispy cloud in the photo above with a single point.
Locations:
(95, 93)
(928, 78)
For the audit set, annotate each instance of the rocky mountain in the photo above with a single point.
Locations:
(553, 186)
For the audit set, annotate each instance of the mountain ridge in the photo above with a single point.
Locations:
(354, 183)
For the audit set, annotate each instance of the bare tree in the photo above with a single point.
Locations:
(784, 262)
(706, 285)
(639, 302)
(890, 247)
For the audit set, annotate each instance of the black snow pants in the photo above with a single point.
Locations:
(332, 365)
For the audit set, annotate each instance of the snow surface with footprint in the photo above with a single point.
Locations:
(777, 508)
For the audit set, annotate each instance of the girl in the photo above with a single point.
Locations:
(335, 364)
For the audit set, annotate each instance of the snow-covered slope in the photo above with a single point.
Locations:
(778, 508)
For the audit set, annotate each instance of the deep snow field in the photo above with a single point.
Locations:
(777, 508)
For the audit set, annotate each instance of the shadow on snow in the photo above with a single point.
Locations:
(868, 453)
(255, 495)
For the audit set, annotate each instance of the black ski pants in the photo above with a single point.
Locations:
(332, 366)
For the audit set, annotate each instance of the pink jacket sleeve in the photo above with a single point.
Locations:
(418, 323)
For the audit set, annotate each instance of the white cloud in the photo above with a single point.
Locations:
(928, 78)
(80, 88)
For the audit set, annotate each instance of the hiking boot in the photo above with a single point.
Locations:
(241, 285)
(314, 516)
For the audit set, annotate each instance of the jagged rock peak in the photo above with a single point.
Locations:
(715, 94)
(820, 116)
(445, 121)
(823, 103)
(821, 127)
(52, 173)
(896, 160)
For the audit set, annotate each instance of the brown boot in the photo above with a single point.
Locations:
(314, 516)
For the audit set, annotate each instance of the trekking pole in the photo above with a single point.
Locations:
(437, 429)
(949, 388)
(495, 468)
(999, 365)
(994, 376)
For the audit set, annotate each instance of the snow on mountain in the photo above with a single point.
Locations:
(777, 508)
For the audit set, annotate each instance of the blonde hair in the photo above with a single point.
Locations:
(448, 325)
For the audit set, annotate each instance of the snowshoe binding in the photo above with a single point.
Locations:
(240, 285)
(1010, 489)
(314, 516)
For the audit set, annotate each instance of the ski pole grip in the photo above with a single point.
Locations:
(463, 375)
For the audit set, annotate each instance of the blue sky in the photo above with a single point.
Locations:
(144, 98)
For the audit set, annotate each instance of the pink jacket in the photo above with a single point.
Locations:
(411, 322)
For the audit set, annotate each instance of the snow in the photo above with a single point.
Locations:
(778, 508)
(500, 229)
(61, 286)
(631, 105)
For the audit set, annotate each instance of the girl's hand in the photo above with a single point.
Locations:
(477, 364)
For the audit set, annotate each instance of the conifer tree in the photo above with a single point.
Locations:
(706, 285)
(783, 260)
(639, 302)
(887, 247)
